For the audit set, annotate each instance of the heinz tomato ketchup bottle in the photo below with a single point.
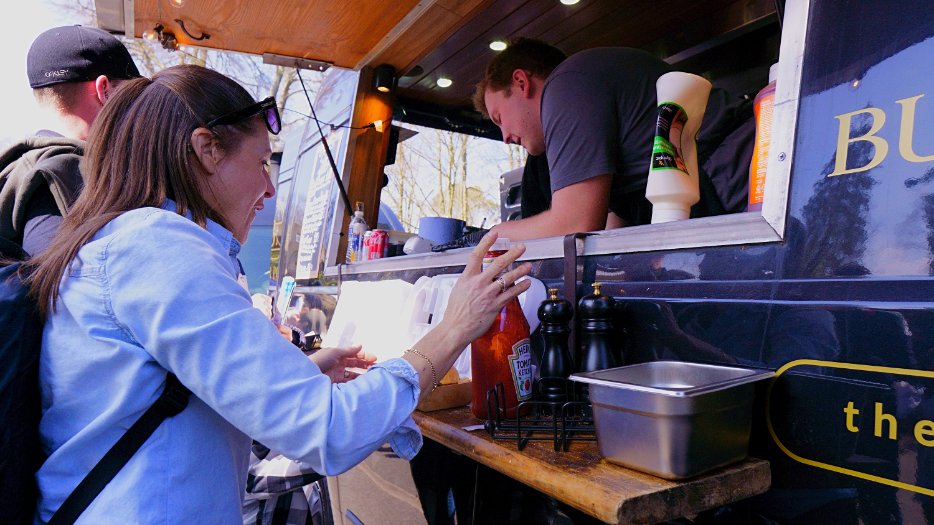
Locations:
(503, 354)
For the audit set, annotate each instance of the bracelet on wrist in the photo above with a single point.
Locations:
(434, 372)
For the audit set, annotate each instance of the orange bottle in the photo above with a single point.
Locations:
(502, 355)
(762, 106)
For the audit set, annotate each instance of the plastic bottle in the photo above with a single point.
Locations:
(355, 233)
(762, 106)
(502, 355)
(673, 186)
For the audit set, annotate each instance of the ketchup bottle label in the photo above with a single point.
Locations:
(488, 258)
(520, 364)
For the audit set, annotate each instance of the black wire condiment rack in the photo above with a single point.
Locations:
(559, 423)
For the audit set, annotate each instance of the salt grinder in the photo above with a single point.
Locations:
(555, 314)
(595, 312)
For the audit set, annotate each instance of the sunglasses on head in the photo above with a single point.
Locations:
(266, 106)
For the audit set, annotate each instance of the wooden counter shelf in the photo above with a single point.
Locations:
(582, 479)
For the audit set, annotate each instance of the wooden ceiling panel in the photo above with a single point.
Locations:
(632, 26)
(467, 37)
(340, 32)
(663, 27)
(468, 67)
(449, 37)
(422, 31)
(571, 20)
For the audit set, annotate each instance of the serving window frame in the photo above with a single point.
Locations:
(767, 226)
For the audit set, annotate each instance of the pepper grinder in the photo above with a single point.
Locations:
(596, 312)
(555, 314)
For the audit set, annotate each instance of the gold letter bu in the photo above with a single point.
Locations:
(844, 140)
(906, 133)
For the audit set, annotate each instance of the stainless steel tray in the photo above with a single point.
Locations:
(672, 419)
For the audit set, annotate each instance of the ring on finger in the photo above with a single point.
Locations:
(502, 284)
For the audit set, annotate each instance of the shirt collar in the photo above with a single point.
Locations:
(223, 235)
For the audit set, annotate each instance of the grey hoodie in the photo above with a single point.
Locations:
(24, 168)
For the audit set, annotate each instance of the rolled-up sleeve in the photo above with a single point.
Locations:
(172, 290)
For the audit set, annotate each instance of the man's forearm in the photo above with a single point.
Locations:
(545, 224)
(580, 207)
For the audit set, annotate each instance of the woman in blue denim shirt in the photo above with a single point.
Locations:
(142, 279)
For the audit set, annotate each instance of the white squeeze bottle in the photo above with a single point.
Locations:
(355, 233)
(673, 186)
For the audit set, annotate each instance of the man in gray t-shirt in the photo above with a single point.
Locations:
(593, 115)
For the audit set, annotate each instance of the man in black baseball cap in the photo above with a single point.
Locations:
(72, 71)
(77, 54)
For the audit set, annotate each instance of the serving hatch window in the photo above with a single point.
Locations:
(740, 70)
(733, 67)
(439, 173)
(737, 61)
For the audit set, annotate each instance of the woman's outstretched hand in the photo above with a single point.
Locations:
(342, 364)
(480, 294)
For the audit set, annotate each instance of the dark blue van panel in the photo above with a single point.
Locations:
(842, 308)
(850, 440)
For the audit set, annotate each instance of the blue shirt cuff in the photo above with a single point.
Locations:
(406, 441)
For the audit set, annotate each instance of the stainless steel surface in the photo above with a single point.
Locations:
(785, 113)
(510, 195)
(673, 378)
(722, 230)
(536, 249)
(672, 419)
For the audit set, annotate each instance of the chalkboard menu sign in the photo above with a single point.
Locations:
(313, 201)
(318, 215)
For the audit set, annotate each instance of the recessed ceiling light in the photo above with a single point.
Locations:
(444, 82)
(569, 2)
(497, 45)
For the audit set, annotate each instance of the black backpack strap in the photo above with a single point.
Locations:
(174, 399)
(11, 252)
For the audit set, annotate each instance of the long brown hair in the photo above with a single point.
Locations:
(138, 155)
